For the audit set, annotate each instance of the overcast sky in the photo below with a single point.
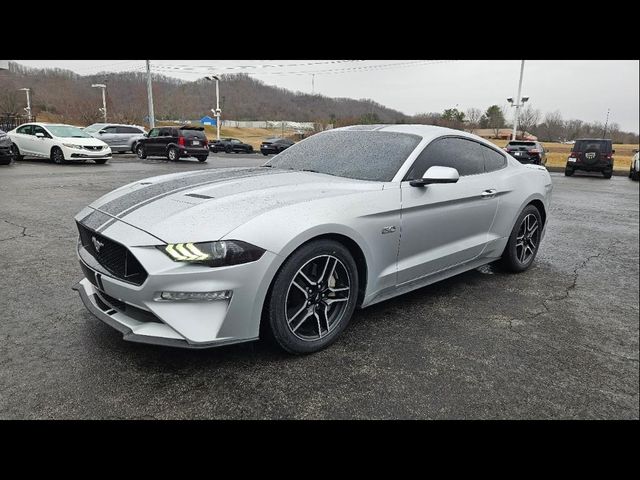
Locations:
(582, 89)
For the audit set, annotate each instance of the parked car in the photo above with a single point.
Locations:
(634, 169)
(275, 145)
(174, 143)
(591, 155)
(527, 152)
(344, 219)
(6, 154)
(121, 138)
(230, 145)
(61, 143)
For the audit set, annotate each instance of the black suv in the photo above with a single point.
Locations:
(174, 143)
(6, 151)
(527, 152)
(591, 155)
(274, 145)
(229, 145)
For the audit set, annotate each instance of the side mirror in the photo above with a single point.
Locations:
(40, 135)
(102, 131)
(146, 135)
(436, 174)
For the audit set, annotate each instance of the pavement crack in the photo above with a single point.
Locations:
(23, 233)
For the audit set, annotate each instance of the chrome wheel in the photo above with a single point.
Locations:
(317, 298)
(527, 239)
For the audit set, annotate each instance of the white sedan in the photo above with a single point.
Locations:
(61, 143)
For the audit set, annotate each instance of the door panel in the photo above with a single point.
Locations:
(444, 224)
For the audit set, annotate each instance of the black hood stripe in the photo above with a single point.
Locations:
(95, 219)
(121, 206)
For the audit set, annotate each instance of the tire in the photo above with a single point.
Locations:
(228, 149)
(299, 314)
(568, 172)
(635, 176)
(250, 149)
(202, 159)
(141, 152)
(134, 147)
(607, 174)
(173, 154)
(101, 161)
(16, 152)
(524, 241)
(57, 156)
(265, 154)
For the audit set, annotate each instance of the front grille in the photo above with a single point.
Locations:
(88, 147)
(115, 258)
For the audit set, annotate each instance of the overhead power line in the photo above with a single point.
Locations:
(188, 68)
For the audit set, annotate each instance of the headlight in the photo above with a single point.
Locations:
(71, 145)
(213, 254)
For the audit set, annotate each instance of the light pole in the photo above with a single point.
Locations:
(217, 110)
(28, 109)
(104, 99)
(518, 104)
(152, 117)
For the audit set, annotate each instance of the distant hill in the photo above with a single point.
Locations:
(62, 95)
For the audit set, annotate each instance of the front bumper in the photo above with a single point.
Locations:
(83, 154)
(136, 312)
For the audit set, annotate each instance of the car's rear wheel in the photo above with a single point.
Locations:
(57, 156)
(228, 149)
(568, 171)
(141, 152)
(635, 176)
(173, 154)
(15, 151)
(312, 297)
(607, 173)
(202, 159)
(524, 240)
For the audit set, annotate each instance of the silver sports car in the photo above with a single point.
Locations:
(343, 219)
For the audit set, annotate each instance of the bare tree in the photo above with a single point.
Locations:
(528, 118)
(473, 116)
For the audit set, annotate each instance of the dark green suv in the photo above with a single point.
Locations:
(591, 155)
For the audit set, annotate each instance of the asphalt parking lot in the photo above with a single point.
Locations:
(559, 341)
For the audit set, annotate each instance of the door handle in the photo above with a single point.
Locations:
(490, 193)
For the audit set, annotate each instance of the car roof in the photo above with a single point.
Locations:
(593, 139)
(427, 132)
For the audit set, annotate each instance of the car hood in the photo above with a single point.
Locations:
(206, 205)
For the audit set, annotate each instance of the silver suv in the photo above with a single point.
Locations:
(121, 138)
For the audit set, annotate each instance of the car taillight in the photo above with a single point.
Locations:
(181, 141)
(206, 142)
(574, 154)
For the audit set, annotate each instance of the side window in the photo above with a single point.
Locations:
(26, 129)
(109, 130)
(123, 129)
(492, 160)
(463, 155)
(165, 132)
(235, 141)
(39, 129)
(154, 132)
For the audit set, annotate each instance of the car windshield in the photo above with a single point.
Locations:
(95, 127)
(363, 155)
(67, 131)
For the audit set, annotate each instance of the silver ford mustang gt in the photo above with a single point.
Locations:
(344, 219)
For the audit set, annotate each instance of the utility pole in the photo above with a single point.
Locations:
(104, 99)
(217, 111)
(518, 104)
(28, 109)
(606, 123)
(152, 118)
(313, 84)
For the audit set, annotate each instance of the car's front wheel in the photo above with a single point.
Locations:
(524, 240)
(140, 151)
(312, 297)
(202, 159)
(57, 156)
(568, 171)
